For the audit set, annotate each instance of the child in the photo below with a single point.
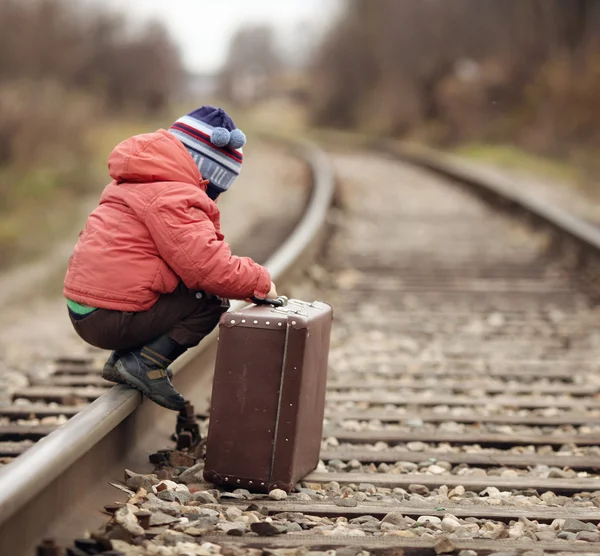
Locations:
(151, 273)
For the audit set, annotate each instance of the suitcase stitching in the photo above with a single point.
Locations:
(285, 349)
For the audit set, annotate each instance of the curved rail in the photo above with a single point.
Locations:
(47, 462)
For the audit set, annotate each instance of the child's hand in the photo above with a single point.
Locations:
(272, 293)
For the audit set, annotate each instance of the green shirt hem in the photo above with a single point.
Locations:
(80, 309)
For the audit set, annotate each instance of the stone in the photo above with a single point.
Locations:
(181, 459)
(116, 531)
(164, 485)
(407, 466)
(471, 528)
(567, 536)
(146, 482)
(418, 489)
(252, 518)
(277, 494)
(231, 495)
(391, 527)
(430, 519)
(346, 551)
(155, 504)
(184, 497)
(354, 464)
(414, 422)
(243, 492)
(416, 446)
(232, 513)
(155, 531)
(436, 470)
(556, 473)
(337, 464)
(450, 523)
(401, 533)
(168, 496)
(363, 519)
(266, 529)
(204, 498)
(444, 546)
(573, 525)
(308, 492)
(394, 517)
(588, 536)
(467, 553)
(160, 518)
(366, 487)
(332, 486)
(227, 527)
(198, 512)
(172, 538)
(125, 517)
(516, 530)
(206, 523)
(195, 531)
(545, 535)
(191, 472)
(174, 496)
(493, 531)
(123, 547)
(457, 491)
(166, 473)
(210, 548)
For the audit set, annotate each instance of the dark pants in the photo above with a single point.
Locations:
(185, 316)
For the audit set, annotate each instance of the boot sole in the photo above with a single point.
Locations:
(143, 388)
(112, 375)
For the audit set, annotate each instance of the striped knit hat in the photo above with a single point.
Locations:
(215, 144)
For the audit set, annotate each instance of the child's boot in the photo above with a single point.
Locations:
(146, 370)
(110, 373)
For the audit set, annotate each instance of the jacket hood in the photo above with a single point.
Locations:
(153, 157)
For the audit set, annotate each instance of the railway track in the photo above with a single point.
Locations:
(463, 410)
(53, 477)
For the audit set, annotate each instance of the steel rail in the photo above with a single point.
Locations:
(47, 471)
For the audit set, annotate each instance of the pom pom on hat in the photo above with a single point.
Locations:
(238, 139)
(220, 137)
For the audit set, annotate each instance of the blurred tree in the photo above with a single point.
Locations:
(462, 68)
(63, 68)
(94, 51)
(252, 61)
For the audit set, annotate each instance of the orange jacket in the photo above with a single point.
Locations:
(155, 226)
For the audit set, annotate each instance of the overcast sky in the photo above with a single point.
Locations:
(203, 28)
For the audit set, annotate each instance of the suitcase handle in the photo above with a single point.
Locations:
(281, 301)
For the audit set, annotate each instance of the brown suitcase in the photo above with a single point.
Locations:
(268, 396)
